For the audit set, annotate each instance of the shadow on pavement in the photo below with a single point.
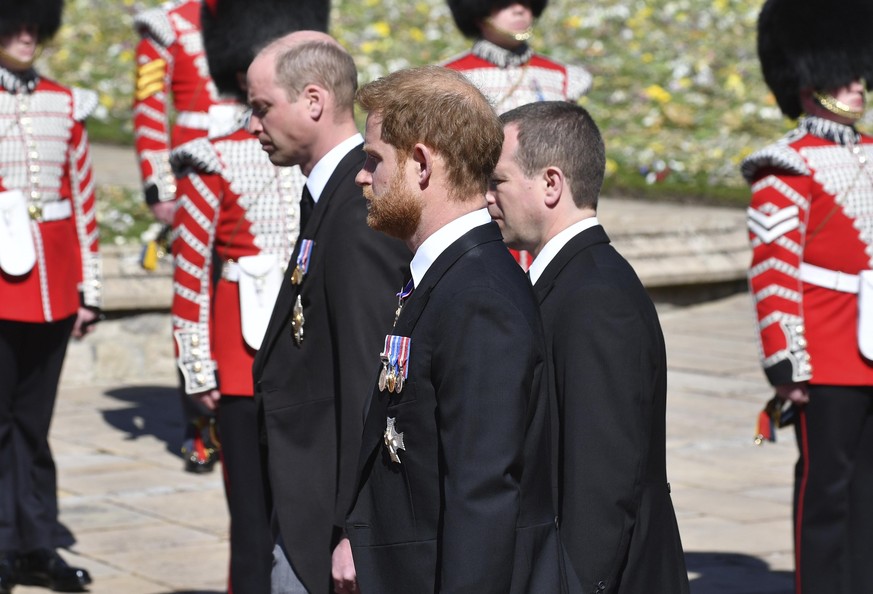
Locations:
(154, 411)
(735, 573)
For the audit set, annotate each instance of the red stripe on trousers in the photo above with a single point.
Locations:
(798, 522)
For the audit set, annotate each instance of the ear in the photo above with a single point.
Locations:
(554, 181)
(316, 98)
(423, 158)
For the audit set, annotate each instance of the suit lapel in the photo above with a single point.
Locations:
(580, 242)
(375, 422)
(288, 292)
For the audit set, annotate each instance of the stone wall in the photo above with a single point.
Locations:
(683, 254)
(134, 343)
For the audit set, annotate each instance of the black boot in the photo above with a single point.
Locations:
(46, 568)
(7, 572)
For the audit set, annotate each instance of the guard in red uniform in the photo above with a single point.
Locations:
(170, 61)
(234, 231)
(49, 287)
(811, 228)
(504, 67)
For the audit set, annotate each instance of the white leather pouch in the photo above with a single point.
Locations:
(865, 314)
(260, 278)
(17, 254)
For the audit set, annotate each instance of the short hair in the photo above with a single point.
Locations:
(441, 109)
(320, 63)
(563, 135)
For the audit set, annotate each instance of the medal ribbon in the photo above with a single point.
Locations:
(406, 291)
(403, 355)
(306, 246)
(397, 353)
(387, 349)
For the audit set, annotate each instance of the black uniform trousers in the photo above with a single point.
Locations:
(31, 357)
(251, 540)
(833, 491)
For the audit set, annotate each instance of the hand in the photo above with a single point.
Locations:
(164, 211)
(85, 321)
(208, 399)
(797, 392)
(343, 569)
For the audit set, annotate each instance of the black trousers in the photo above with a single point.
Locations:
(31, 357)
(833, 492)
(251, 541)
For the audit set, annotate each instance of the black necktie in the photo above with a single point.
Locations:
(307, 204)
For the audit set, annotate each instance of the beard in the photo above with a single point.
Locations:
(395, 212)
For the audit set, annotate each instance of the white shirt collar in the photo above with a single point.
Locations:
(322, 171)
(445, 236)
(554, 245)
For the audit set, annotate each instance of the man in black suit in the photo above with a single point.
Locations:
(454, 490)
(314, 368)
(606, 351)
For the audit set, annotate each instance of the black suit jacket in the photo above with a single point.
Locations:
(311, 397)
(469, 508)
(610, 377)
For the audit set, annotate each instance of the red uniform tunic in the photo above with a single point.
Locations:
(510, 79)
(169, 60)
(234, 201)
(44, 152)
(812, 203)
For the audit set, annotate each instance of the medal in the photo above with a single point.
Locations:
(297, 321)
(383, 375)
(391, 379)
(395, 361)
(393, 440)
(303, 257)
(399, 358)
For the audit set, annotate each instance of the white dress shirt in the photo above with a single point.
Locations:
(325, 167)
(436, 244)
(554, 245)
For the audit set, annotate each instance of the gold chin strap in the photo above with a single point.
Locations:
(14, 63)
(523, 36)
(838, 107)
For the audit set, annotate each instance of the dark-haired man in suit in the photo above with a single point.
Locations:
(454, 492)
(606, 352)
(315, 364)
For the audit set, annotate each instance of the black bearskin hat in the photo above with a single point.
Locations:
(44, 14)
(235, 30)
(814, 44)
(468, 13)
